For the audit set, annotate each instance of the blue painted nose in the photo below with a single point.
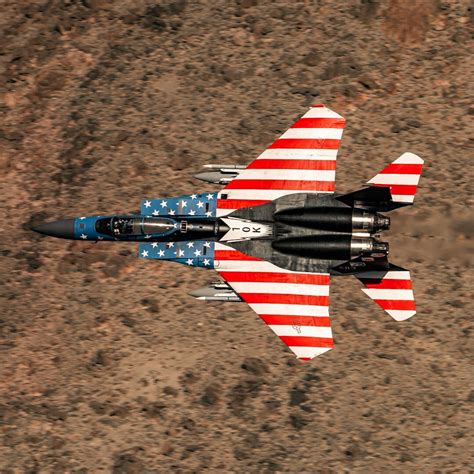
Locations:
(63, 229)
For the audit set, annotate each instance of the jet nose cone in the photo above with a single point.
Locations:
(63, 229)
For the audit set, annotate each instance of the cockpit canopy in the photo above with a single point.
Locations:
(134, 226)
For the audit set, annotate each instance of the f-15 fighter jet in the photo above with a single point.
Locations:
(277, 232)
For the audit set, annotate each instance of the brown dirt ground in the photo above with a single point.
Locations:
(106, 365)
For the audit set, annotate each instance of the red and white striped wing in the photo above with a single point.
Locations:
(302, 160)
(401, 176)
(295, 305)
(392, 291)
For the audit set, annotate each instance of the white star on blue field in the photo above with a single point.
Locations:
(198, 253)
(197, 205)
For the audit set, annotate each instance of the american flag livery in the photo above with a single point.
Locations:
(392, 291)
(197, 205)
(295, 305)
(303, 159)
(402, 177)
(313, 230)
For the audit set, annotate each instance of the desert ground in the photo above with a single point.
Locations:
(106, 364)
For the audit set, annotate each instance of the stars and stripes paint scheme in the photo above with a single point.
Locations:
(276, 232)
(303, 159)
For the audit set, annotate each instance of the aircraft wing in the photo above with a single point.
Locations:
(295, 305)
(302, 160)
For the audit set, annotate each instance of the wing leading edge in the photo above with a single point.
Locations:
(295, 305)
(303, 159)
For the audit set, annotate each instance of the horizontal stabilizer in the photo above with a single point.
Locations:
(391, 290)
(401, 177)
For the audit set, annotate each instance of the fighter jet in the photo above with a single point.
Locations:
(277, 232)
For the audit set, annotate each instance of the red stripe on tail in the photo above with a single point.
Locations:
(402, 169)
(387, 284)
(409, 190)
(319, 123)
(396, 304)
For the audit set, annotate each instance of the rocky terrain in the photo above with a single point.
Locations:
(106, 365)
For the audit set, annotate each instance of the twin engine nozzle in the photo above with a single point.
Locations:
(340, 240)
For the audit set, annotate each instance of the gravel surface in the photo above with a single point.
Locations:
(106, 365)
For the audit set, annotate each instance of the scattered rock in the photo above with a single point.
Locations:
(340, 67)
(231, 74)
(240, 393)
(297, 421)
(188, 424)
(127, 463)
(153, 18)
(406, 457)
(414, 123)
(247, 3)
(210, 396)
(100, 358)
(114, 266)
(170, 391)
(298, 396)
(240, 454)
(254, 366)
(151, 305)
(128, 321)
(313, 58)
(154, 410)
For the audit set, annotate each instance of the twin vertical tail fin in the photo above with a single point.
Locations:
(395, 186)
